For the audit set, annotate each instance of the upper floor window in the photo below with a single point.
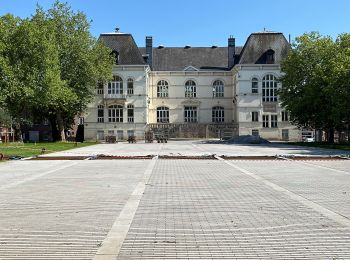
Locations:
(255, 85)
(100, 114)
(190, 89)
(218, 88)
(162, 115)
(255, 116)
(269, 88)
(270, 57)
(130, 113)
(115, 55)
(130, 86)
(115, 86)
(100, 88)
(218, 115)
(273, 120)
(115, 113)
(162, 88)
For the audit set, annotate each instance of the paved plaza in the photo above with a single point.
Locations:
(177, 209)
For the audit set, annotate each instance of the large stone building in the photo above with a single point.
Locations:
(192, 91)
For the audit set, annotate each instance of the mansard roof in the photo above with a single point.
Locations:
(258, 44)
(180, 58)
(124, 44)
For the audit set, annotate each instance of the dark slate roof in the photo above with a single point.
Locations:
(124, 44)
(254, 50)
(178, 58)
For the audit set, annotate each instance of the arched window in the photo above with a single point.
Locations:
(130, 87)
(162, 115)
(115, 113)
(255, 85)
(218, 114)
(162, 88)
(115, 86)
(190, 89)
(100, 114)
(130, 113)
(269, 88)
(218, 88)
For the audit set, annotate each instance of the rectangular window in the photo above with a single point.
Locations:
(120, 134)
(130, 115)
(255, 116)
(285, 116)
(274, 121)
(265, 121)
(255, 132)
(130, 133)
(285, 134)
(81, 120)
(190, 115)
(100, 115)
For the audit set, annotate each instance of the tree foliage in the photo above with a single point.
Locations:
(50, 65)
(315, 83)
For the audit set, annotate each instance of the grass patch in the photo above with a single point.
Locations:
(33, 149)
(322, 145)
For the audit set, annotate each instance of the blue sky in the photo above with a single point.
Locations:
(202, 22)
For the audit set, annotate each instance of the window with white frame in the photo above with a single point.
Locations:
(100, 88)
(81, 120)
(130, 113)
(269, 88)
(285, 116)
(218, 88)
(115, 113)
(115, 86)
(162, 88)
(162, 115)
(274, 121)
(100, 114)
(255, 116)
(218, 114)
(130, 87)
(190, 89)
(190, 114)
(255, 85)
(265, 121)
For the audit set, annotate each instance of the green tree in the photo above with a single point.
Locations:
(83, 62)
(49, 66)
(307, 83)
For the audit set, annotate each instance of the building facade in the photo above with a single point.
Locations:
(189, 91)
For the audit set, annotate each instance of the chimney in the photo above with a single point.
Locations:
(149, 50)
(231, 51)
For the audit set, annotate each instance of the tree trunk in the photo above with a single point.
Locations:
(60, 126)
(330, 137)
(17, 132)
(54, 130)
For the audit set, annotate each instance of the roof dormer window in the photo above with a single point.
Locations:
(116, 56)
(270, 57)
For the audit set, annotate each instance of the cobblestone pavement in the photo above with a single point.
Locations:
(175, 209)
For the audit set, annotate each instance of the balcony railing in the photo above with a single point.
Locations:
(114, 96)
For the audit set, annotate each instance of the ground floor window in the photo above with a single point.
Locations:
(162, 115)
(100, 114)
(218, 114)
(265, 121)
(190, 114)
(130, 113)
(120, 134)
(285, 134)
(273, 121)
(255, 132)
(100, 135)
(130, 133)
(255, 116)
